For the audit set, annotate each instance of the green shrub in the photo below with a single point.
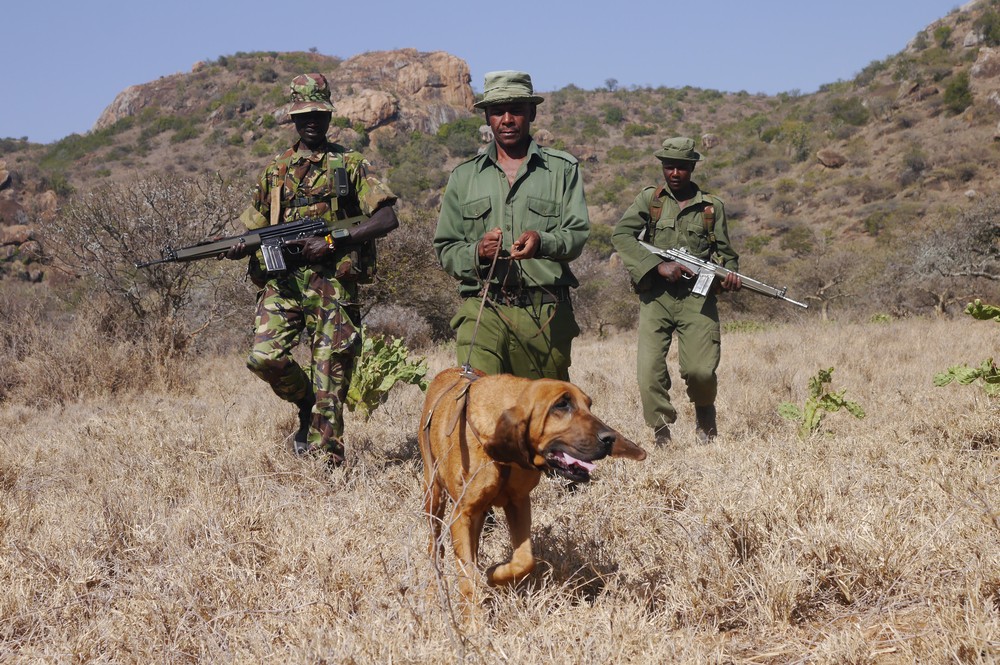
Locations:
(987, 372)
(460, 137)
(942, 36)
(744, 327)
(988, 25)
(957, 94)
(613, 115)
(849, 110)
(592, 128)
(633, 129)
(819, 402)
(186, 133)
(382, 363)
(754, 244)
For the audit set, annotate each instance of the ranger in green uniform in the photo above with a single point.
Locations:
(511, 220)
(317, 296)
(676, 215)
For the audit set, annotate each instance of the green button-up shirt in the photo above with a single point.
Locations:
(547, 197)
(678, 228)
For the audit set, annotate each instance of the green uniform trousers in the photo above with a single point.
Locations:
(665, 309)
(308, 301)
(533, 342)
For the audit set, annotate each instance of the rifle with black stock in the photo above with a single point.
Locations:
(272, 241)
(707, 271)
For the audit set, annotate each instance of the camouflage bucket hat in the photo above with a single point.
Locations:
(310, 92)
(505, 87)
(681, 148)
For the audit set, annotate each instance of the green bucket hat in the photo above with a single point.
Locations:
(506, 87)
(679, 147)
(310, 92)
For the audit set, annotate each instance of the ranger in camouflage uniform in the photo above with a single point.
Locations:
(523, 204)
(689, 219)
(318, 294)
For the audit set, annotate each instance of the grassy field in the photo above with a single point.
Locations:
(172, 525)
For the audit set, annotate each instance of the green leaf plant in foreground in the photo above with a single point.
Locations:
(987, 371)
(820, 402)
(382, 363)
(977, 309)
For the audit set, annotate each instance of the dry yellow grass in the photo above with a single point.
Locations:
(173, 526)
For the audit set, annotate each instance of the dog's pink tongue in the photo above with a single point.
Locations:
(572, 461)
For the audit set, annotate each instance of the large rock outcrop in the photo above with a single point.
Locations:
(406, 88)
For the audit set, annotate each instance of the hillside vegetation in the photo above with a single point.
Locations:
(838, 194)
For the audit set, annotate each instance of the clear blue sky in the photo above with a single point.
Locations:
(65, 60)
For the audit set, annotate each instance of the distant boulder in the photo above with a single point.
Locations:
(369, 108)
(830, 158)
(544, 137)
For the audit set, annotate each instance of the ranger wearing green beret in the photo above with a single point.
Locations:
(676, 215)
(512, 219)
(316, 300)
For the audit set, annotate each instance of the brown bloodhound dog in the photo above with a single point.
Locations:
(485, 441)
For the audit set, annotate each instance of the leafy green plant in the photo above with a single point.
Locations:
(987, 371)
(958, 94)
(820, 402)
(382, 363)
(980, 311)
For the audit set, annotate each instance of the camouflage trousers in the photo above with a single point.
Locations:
(310, 306)
(663, 311)
(533, 342)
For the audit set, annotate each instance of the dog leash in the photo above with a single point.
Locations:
(467, 366)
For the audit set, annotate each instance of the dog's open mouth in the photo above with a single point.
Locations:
(569, 467)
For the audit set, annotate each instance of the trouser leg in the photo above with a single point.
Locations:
(488, 348)
(335, 343)
(541, 340)
(656, 328)
(277, 325)
(699, 351)
(312, 305)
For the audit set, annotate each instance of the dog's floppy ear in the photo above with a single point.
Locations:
(509, 443)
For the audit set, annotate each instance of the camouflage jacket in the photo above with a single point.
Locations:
(304, 184)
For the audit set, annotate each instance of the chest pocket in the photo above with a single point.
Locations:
(695, 233)
(476, 209)
(475, 213)
(543, 213)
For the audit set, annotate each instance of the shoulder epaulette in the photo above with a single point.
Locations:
(561, 154)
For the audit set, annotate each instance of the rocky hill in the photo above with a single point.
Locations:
(861, 166)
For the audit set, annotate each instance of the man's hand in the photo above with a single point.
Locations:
(236, 252)
(526, 246)
(489, 244)
(673, 271)
(732, 282)
(312, 250)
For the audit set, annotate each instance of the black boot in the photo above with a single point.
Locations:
(300, 444)
(705, 428)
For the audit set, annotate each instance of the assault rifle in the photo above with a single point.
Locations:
(272, 241)
(707, 272)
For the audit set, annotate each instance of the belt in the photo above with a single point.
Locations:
(303, 201)
(531, 296)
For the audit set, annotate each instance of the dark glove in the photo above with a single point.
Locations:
(311, 250)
